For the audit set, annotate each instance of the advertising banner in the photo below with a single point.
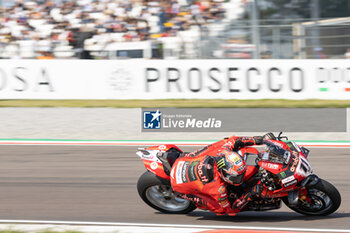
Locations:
(174, 79)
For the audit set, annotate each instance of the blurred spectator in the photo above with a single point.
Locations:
(266, 54)
(45, 55)
(318, 54)
(31, 27)
(347, 54)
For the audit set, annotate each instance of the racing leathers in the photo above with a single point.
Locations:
(195, 176)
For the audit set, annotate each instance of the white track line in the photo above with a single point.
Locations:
(143, 144)
(172, 226)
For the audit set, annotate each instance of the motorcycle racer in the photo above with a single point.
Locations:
(201, 176)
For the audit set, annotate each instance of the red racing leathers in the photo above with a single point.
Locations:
(194, 176)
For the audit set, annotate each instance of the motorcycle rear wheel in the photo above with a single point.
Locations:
(158, 194)
(325, 199)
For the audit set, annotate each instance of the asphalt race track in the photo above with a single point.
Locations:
(98, 183)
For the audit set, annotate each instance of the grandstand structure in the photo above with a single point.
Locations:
(98, 28)
(148, 29)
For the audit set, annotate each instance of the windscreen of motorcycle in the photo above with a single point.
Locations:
(276, 154)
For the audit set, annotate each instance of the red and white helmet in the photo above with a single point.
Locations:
(231, 167)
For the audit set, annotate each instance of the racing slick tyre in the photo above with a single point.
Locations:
(325, 199)
(158, 194)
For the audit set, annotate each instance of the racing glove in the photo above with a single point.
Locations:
(269, 136)
(238, 144)
(256, 190)
(258, 140)
(241, 202)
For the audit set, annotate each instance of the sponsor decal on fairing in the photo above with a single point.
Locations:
(191, 171)
(154, 165)
(288, 179)
(184, 172)
(172, 173)
(151, 155)
(222, 189)
(201, 173)
(294, 164)
(179, 172)
(290, 183)
(304, 168)
(283, 174)
(270, 165)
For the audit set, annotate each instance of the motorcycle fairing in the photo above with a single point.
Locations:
(151, 161)
(164, 147)
(290, 174)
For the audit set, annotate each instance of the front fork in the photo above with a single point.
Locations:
(302, 193)
(303, 196)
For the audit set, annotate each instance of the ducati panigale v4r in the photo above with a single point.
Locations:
(286, 174)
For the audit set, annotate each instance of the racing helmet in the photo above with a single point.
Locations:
(231, 167)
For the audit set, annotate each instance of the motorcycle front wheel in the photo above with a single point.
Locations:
(325, 199)
(158, 194)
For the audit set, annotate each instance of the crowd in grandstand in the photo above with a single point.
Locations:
(36, 28)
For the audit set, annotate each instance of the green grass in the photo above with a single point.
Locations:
(11, 231)
(182, 103)
(51, 231)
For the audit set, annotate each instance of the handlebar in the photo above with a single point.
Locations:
(279, 137)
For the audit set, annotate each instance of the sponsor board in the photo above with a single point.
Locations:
(176, 79)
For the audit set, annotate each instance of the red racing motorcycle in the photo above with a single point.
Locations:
(282, 167)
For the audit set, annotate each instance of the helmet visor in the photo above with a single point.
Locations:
(233, 179)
